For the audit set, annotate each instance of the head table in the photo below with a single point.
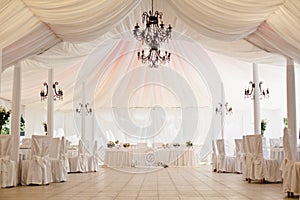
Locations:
(131, 157)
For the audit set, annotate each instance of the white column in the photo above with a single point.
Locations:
(83, 112)
(50, 103)
(223, 111)
(256, 104)
(16, 112)
(0, 67)
(93, 126)
(291, 105)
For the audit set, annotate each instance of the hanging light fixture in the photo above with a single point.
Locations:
(154, 58)
(88, 110)
(249, 93)
(153, 35)
(58, 94)
(228, 110)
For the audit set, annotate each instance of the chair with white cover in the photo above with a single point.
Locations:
(287, 164)
(225, 163)
(246, 161)
(260, 169)
(214, 157)
(59, 172)
(79, 163)
(295, 178)
(8, 171)
(63, 154)
(238, 155)
(93, 159)
(38, 169)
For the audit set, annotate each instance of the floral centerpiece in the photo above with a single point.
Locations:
(189, 143)
(125, 145)
(110, 144)
(176, 145)
(4, 116)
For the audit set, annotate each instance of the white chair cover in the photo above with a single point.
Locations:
(225, 163)
(295, 180)
(246, 161)
(260, 168)
(8, 171)
(214, 157)
(288, 163)
(79, 163)
(38, 169)
(93, 159)
(59, 172)
(238, 155)
(64, 152)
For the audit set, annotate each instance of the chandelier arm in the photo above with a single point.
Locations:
(46, 86)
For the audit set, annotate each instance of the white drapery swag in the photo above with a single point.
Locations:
(34, 26)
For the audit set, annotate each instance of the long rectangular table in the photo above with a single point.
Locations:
(130, 157)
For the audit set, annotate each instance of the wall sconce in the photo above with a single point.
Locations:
(58, 94)
(227, 109)
(249, 93)
(88, 110)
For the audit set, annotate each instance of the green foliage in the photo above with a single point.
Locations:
(263, 126)
(22, 124)
(4, 120)
(285, 122)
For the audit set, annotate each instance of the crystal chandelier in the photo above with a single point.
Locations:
(154, 57)
(249, 93)
(153, 35)
(58, 94)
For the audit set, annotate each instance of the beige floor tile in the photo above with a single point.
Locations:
(169, 183)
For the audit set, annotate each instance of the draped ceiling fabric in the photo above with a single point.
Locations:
(81, 40)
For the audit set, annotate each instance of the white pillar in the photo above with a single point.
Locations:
(83, 112)
(50, 103)
(223, 111)
(291, 105)
(93, 127)
(16, 112)
(256, 104)
(0, 67)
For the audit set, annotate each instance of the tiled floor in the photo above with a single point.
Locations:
(165, 183)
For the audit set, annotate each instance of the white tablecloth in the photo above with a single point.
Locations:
(118, 157)
(277, 153)
(148, 157)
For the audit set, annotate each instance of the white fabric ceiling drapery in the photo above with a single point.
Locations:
(220, 26)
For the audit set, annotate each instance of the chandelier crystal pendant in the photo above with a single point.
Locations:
(58, 94)
(154, 32)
